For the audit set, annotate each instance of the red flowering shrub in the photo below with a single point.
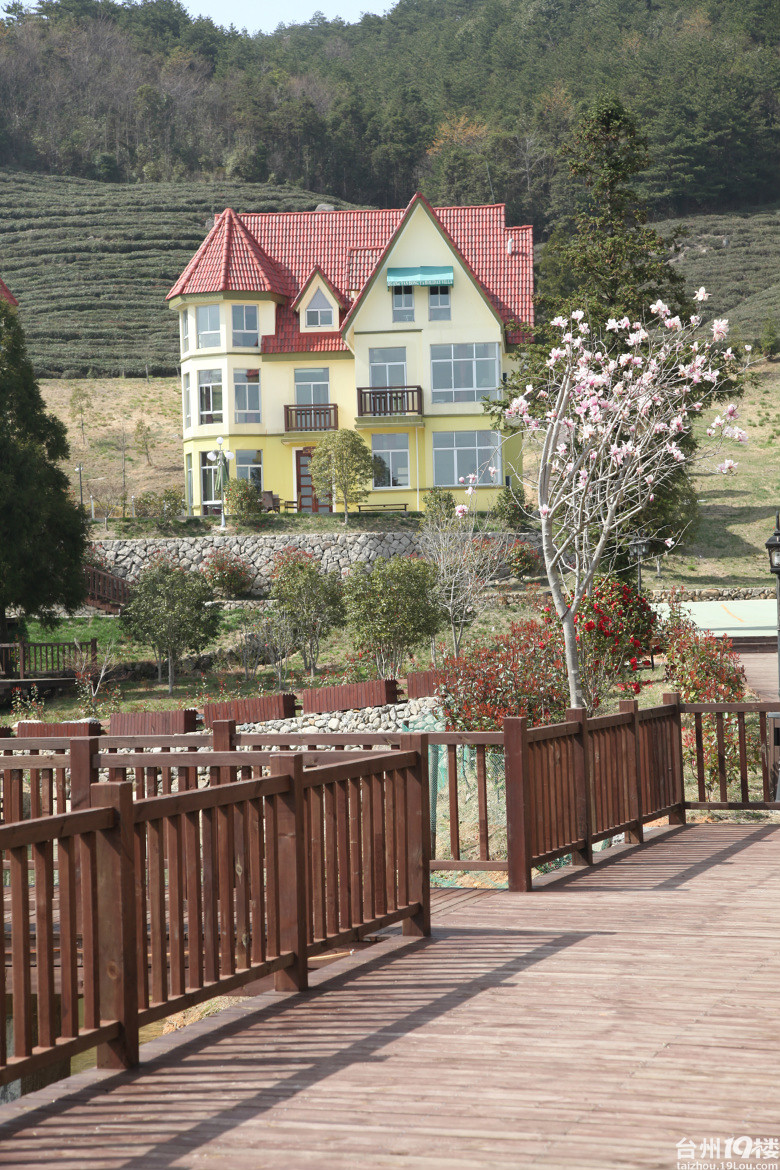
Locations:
(522, 673)
(522, 559)
(228, 574)
(705, 669)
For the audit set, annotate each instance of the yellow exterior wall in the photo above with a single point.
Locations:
(472, 320)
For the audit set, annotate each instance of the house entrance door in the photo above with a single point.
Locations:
(307, 500)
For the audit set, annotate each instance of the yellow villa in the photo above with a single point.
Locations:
(394, 322)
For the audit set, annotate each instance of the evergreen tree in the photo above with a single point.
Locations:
(43, 532)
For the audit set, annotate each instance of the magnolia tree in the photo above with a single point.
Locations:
(610, 419)
(466, 557)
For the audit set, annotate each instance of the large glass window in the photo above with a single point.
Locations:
(387, 367)
(459, 454)
(246, 384)
(403, 303)
(210, 396)
(249, 466)
(319, 312)
(207, 321)
(439, 302)
(465, 372)
(245, 328)
(186, 402)
(185, 330)
(208, 480)
(391, 460)
(312, 387)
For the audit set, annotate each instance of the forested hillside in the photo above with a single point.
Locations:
(470, 99)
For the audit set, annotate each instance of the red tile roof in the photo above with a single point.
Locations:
(7, 295)
(277, 252)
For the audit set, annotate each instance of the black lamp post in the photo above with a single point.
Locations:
(638, 548)
(773, 548)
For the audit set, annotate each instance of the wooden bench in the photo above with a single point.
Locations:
(382, 507)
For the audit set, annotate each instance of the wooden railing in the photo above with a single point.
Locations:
(312, 418)
(389, 401)
(27, 660)
(733, 754)
(106, 587)
(246, 864)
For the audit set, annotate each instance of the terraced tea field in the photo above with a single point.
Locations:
(91, 263)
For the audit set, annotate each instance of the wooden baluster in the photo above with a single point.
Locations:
(677, 816)
(331, 862)
(20, 952)
(633, 798)
(43, 865)
(700, 755)
(419, 821)
(743, 769)
(452, 780)
(115, 880)
(583, 788)
(765, 758)
(291, 853)
(519, 808)
(484, 853)
(194, 899)
(256, 858)
(377, 783)
(69, 988)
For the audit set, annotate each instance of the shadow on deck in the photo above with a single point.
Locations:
(594, 1024)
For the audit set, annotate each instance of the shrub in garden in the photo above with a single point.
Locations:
(521, 673)
(310, 597)
(703, 668)
(241, 500)
(227, 573)
(509, 507)
(439, 504)
(616, 631)
(523, 560)
(391, 609)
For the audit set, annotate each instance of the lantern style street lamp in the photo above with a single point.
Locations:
(222, 460)
(773, 548)
(638, 549)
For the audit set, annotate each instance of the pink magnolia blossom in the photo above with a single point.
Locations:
(720, 328)
(461, 510)
(701, 294)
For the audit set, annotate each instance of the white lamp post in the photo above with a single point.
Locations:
(222, 460)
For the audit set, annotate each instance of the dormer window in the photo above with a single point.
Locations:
(403, 303)
(319, 311)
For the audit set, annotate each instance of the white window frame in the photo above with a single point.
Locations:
(241, 390)
(207, 387)
(244, 468)
(457, 361)
(185, 330)
(390, 456)
(439, 303)
(206, 313)
(403, 302)
(208, 474)
(376, 365)
(245, 331)
(476, 457)
(305, 384)
(186, 401)
(319, 312)
(188, 485)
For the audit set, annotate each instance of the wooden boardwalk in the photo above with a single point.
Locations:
(593, 1023)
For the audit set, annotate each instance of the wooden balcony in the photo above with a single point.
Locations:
(389, 402)
(311, 418)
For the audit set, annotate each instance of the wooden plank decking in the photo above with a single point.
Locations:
(593, 1023)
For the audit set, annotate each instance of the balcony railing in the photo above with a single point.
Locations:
(311, 418)
(389, 401)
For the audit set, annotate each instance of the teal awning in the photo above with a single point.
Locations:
(426, 274)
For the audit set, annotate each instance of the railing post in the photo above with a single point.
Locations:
(291, 860)
(116, 926)
(519, 807)
(83, 774)
(583, 794)
(223, 735)
(677, 816)
(419, 824)
(633, 779)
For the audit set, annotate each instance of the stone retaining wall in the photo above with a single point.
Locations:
(756, 592)
(337, 551)
(414, 715)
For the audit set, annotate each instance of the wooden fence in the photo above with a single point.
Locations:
(106, 589)
(25, 660)
(378, 693)
(144, 905)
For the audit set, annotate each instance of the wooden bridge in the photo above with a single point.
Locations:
(614, 1011)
